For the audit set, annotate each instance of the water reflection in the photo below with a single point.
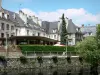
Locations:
(23, 73)
(55, 73)
(4, 73)
(80, 71)
(94, 73)
(40, 73)
(69, 72)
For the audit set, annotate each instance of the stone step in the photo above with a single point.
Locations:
(2, 49)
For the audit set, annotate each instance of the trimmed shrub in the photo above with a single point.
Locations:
(40, 60)
(55, 73)
(81, 60)
(44, 48)
(55, 59)
(69, 59)
(40, 73)
(23, 73)
(23, 60)
(2, 59)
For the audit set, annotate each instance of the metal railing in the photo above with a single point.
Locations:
(50, 53)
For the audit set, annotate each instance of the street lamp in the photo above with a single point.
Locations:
(66, 43)
(6, 45)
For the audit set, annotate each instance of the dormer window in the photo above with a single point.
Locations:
(27, 32)
(2, 14)
(7, 16)
(14, 16)
(90, 33)
(78, 29)
(54, 30)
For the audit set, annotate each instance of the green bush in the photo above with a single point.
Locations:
(37, 48)
(23, 60)
(40, 60)
(81, 60)
(2, 59)
(69, 59)
(55, 59)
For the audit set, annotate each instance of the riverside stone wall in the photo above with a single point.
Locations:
(14, 63)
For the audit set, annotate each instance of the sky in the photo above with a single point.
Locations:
(80, 11)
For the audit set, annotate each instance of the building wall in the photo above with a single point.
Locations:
(5, 31)
(53, 36)
(0, 4)
(29, 32)
(24, 31)
(88, 30)
(71, 40)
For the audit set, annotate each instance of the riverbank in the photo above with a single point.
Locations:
(54, 71)
(32, 63)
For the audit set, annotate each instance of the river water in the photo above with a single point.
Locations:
(42, 71)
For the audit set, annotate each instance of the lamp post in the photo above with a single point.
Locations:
(66, 43)
(6, 45)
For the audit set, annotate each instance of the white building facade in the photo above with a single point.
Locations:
(20, 24)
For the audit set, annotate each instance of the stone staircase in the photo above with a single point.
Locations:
(2, 49)
(12, 52)
(14, 49)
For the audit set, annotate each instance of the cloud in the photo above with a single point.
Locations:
(79, 16)
(22, 1)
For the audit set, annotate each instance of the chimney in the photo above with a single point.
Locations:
(36, 20)
(23, 16)
(70, 19)
(14, 16)
(82, 25)
(0, 4)
(66, 18)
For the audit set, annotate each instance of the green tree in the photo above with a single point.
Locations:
(88, 44)
(23, 60)
(88, 49)
(98, 35)
(63, 31)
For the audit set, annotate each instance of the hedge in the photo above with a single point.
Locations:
(43, 48)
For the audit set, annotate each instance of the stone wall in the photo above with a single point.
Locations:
(14, 63)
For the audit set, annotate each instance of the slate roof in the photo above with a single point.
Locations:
(46, 25)
(71, 27)
(49, 26)
(19, 22)
(53, 25)
(89, 29)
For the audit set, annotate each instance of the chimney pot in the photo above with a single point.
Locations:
(82, 25)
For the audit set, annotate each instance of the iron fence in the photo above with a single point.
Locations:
(50, 53)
